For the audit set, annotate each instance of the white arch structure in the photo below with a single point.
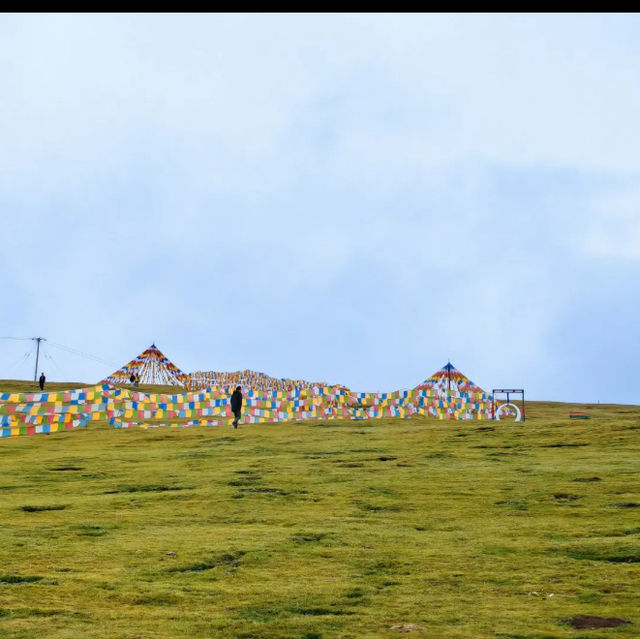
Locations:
(518, 416)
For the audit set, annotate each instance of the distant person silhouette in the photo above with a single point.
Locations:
(41, 381)
(132, 379)
(236, 406)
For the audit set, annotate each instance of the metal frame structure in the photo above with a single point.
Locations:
(507, 392)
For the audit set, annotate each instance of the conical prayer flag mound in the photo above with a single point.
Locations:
(152, 367)
(449, 380)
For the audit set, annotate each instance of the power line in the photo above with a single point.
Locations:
(81, 353)
(68, 349)
(19, 361)
(53, 361)
(37, 340)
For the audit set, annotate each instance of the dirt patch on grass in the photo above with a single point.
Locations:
(309, 537)
(589, 622)
(588, 479)
(375, 508)
(407, 627)
(516, 504)
(228, 560)
(565, 497)
(90, 530)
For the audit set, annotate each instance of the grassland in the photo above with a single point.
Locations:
(380, 528)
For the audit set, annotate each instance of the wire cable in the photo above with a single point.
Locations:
(74, 351)
(68, 349)
(21, 360)
(53, 361)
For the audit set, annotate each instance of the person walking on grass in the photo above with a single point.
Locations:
(236, 406)
(41, 381)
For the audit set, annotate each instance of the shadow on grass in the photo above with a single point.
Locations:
(155, 599)
(26, 613)
(322, 538)
(19, 579)
(151, 488)
(514, 504)
(270, 612)
(566, 497)
(622, 554)
(564, 445)
(377, 508)
(228, 560)
(91, 530)
(193, 455)
(265, 491)
(246, 479)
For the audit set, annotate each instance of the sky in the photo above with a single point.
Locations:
(354, 199)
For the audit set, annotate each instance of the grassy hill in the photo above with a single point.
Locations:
(26, 386)
(375, 528)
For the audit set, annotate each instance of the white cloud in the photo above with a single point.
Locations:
(352, 197)
(611, 230)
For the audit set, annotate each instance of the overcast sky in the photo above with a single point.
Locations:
(354, 199)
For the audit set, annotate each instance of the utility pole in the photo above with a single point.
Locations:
(38, 340)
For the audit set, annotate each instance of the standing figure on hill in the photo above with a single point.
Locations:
(132, 379)
(41, 381)
(137, 380)
(236, 406)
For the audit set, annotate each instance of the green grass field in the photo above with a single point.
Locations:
(379, 528)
